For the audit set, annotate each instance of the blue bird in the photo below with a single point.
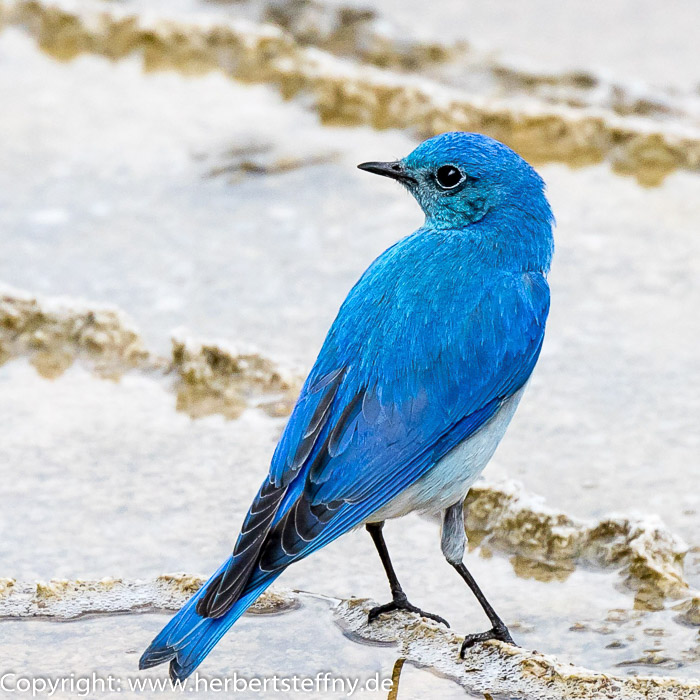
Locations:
(411, 393)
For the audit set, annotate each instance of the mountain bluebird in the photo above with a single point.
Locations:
(412, 391)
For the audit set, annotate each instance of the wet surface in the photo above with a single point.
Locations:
(110, 647)
(157, 203)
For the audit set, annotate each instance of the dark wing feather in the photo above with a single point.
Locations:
(227, 587)
(359, 435)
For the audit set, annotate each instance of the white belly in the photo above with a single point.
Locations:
(451, 478)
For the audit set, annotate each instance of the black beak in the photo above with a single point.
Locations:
(395, 170)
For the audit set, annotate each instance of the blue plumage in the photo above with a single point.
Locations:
(439, 332)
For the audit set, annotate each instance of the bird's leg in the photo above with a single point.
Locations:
(453, 542)
(399, 599)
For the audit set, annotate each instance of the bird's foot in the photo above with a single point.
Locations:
(400, 602)
(499, 632)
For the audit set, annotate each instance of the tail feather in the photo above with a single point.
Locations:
(187, 639)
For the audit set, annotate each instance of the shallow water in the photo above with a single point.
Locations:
(108, 192)
(109, 646)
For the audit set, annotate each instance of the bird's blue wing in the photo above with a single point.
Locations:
(365, 429)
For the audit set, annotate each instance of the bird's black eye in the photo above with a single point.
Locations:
(448, 177)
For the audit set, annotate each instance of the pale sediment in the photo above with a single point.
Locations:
(362, 34)
(547, 544)
(356, 32)
(63, 599)
(54, 332)
(215, 377)
(345, 93)
(690, 611)
(210, 377)
(499, 668)
(492, 667)
(266, 159)
(585, 88)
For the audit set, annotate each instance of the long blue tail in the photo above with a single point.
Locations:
(187, 639)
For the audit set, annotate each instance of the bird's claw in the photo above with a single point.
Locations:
(401, 603)
(499, 632)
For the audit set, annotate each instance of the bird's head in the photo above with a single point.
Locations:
(459, 178)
